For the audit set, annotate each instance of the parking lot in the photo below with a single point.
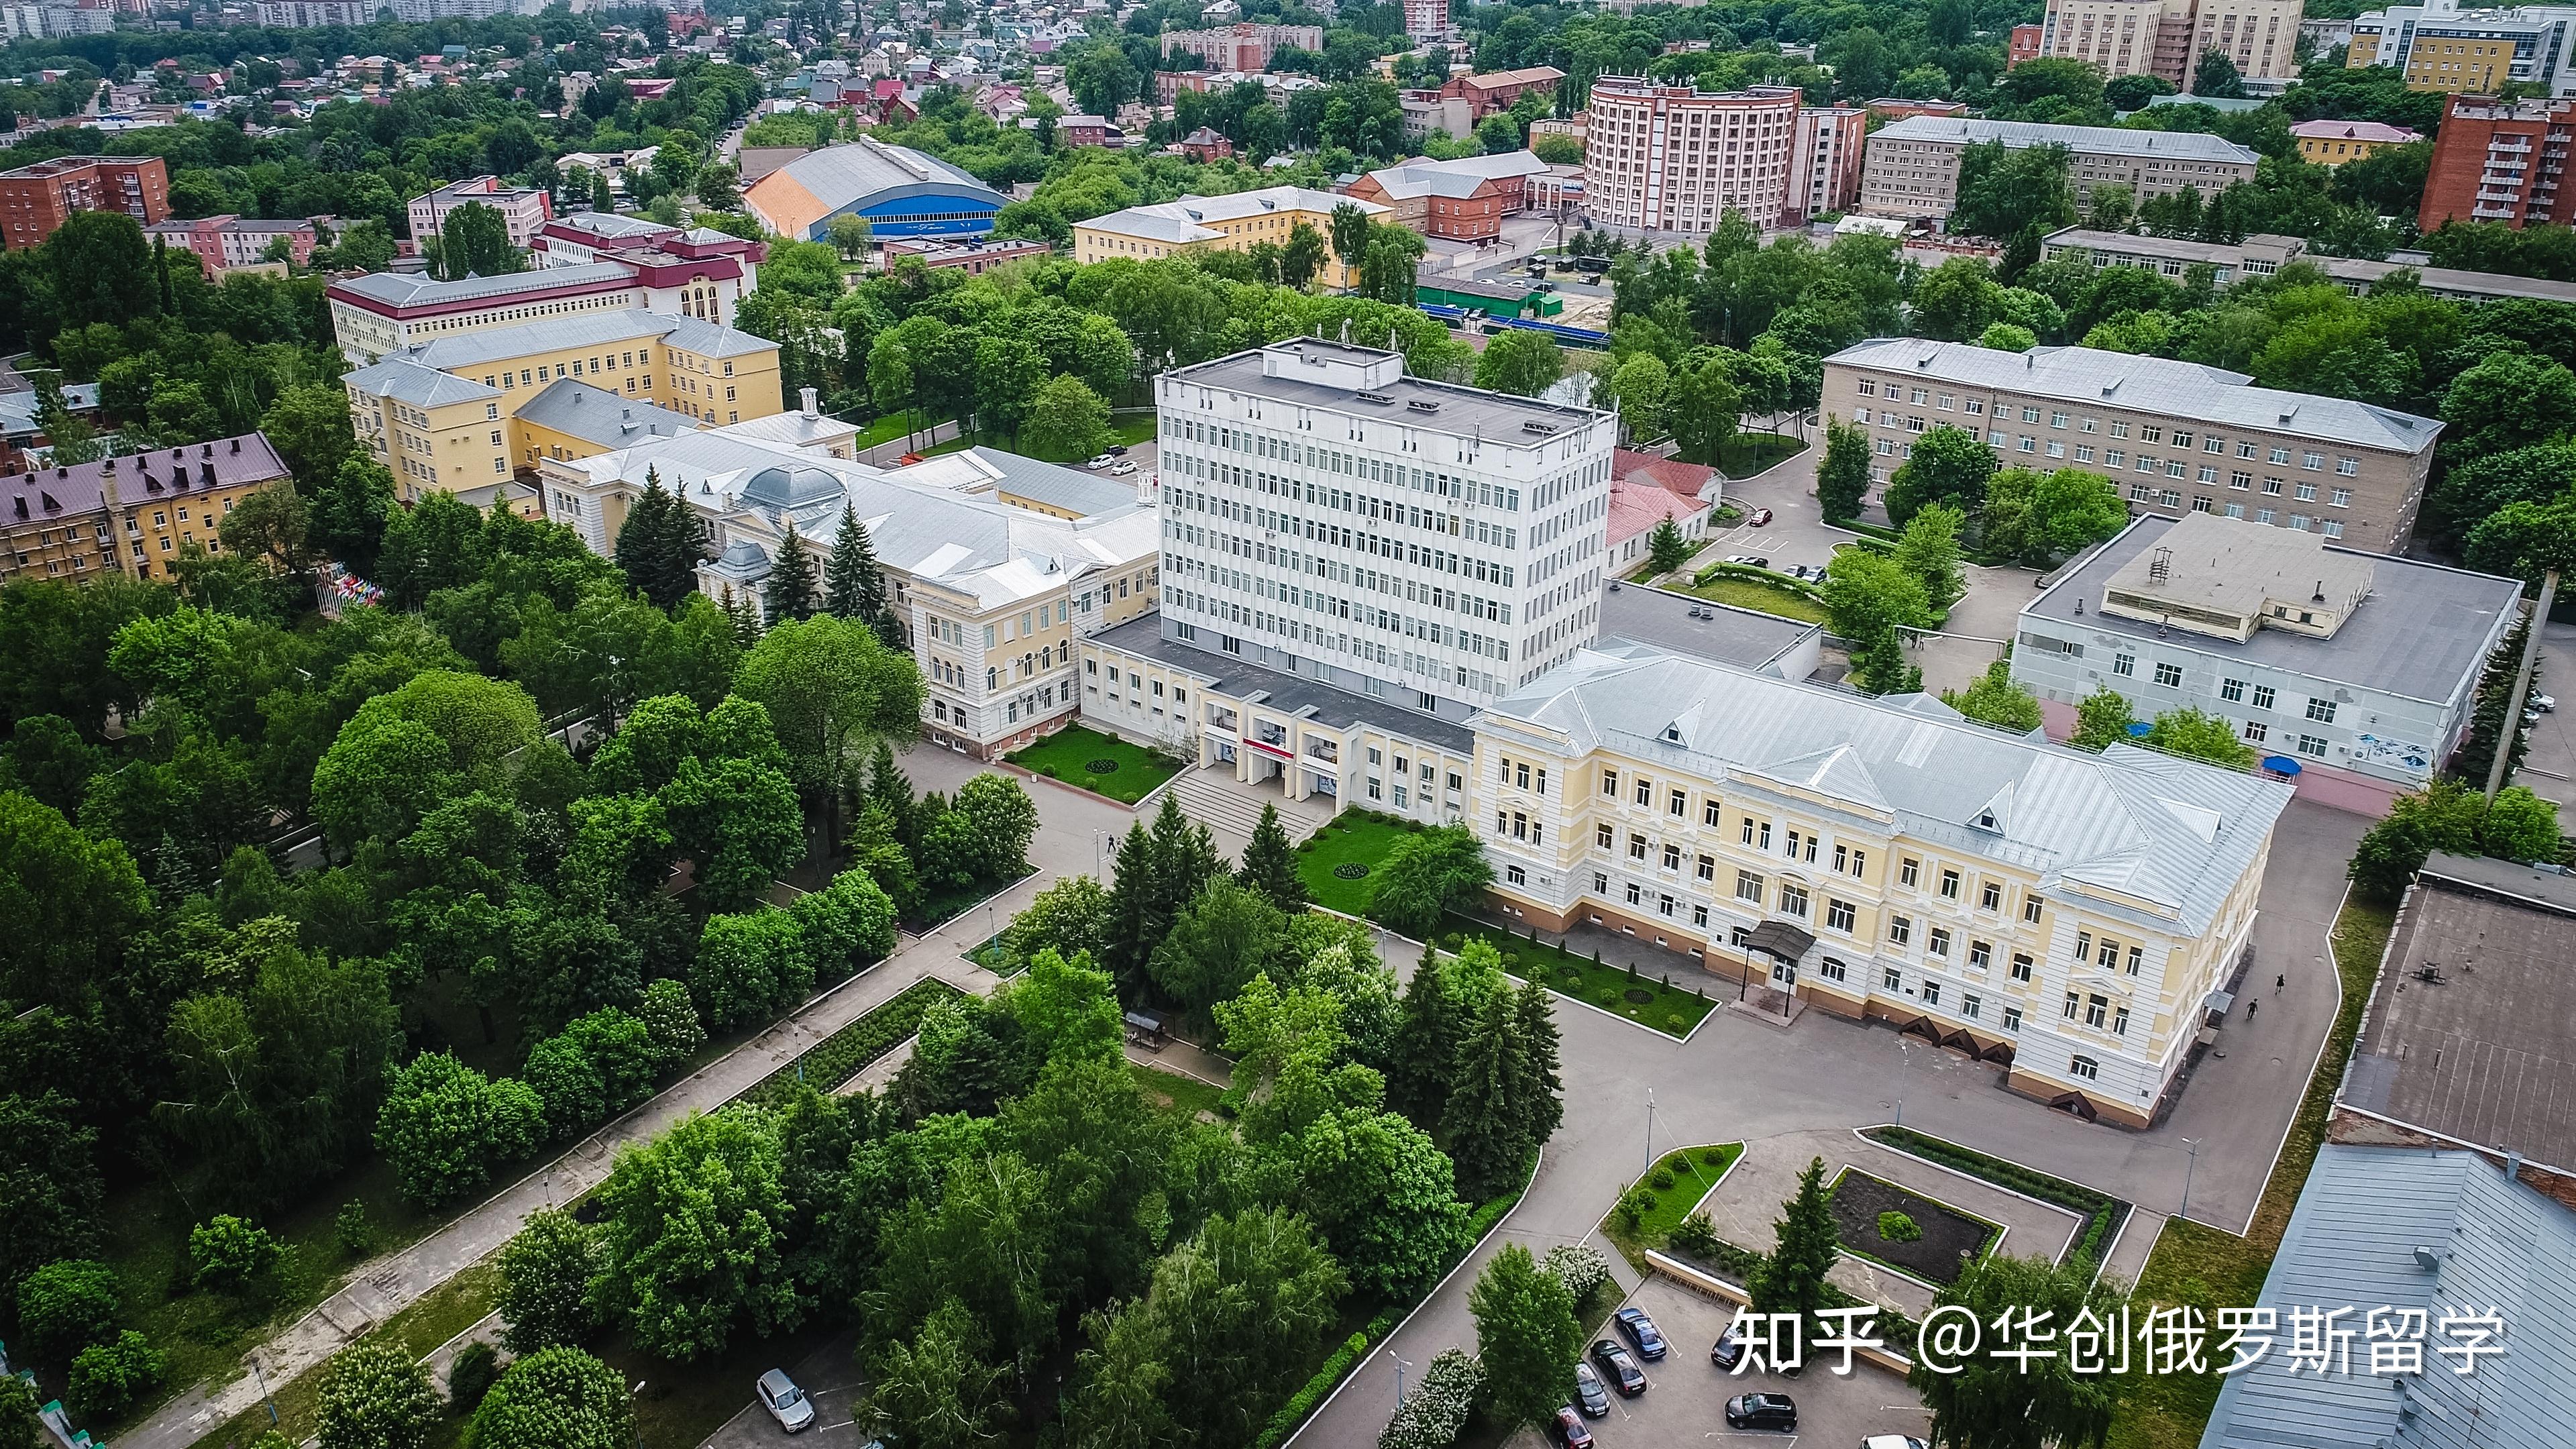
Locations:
(830, 1374)
(1685, 1399)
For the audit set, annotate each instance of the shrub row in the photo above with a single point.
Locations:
(2103, 1214)
(1798, 588)
(1735, 1264)
(838, 1057)
(1303, 1402)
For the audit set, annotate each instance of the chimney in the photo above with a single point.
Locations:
(810, 410)
(2320, 595)
(2513, 1165)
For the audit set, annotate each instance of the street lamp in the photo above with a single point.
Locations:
(1400, 1367)
(262, 1380)
(2189, 1164)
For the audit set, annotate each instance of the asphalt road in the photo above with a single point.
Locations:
(830, 1376)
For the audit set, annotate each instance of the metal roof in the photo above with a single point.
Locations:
(405, 380)
(582, 329)
(1188, 218)
(1288, 693)
(840, 175)
(1729, 635)
(2183, 390)
(414, 289)
(2354, 1241)
(2422, 633)
(2091, 140)
(1070, 489)
(577, 409)
(1495, 417)
(2143, 825)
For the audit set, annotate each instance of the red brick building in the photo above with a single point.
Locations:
(1205, 145)
(1462, 200)
(1487, 94)
(2499, 161)
(2024, 44)
(36, 199)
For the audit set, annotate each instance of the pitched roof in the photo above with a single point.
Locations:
(1637, 508)
(2352, 131)
(577, 409)
(412, 289)
(160, 472)
(2093, 140)
(407, 380)
(1690, 480)
(2175, 835)
(582, 329)
(991, 469)
(2148, 384)
(1501, 166)
(1184, 219)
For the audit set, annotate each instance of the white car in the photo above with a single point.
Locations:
(785, 1402)
(1891, 1441)
(1103, 461)
(1807, 571)
(2543, 703)
(1121, 468)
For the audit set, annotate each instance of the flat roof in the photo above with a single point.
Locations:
(2234, 566)
(2092, 140)
(1746, 638)
(2481, 1053)
(1288, 693)
(2421, 633)
(1497, 415)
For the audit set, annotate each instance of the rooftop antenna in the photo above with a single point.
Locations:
(2320, 596)
(1346, 331)
(2160, 566)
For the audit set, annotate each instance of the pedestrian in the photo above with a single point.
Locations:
(2280, 981)
(2249, 1011)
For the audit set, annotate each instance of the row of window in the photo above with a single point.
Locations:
(2183, 438)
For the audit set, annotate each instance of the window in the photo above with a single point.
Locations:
(1899, 929)
(1708, 867)
(2074, 1006)
(2124, 664)
(2312, 461)
(1931, 993)
(2137, 959)
(2232, 690)
(2012, 1018)
(1939, 944)
(2169, 675)
(1757, 833)
(1748, 887)
(1635, 895)
(1672, 857)
(2340, 498)
(2263, 696)
(1971, 1005)
(1708, 813)
(1676, 804)
(2020, 966)
(1793, 900)
(1831, 969)
(1610, 783)
(1645, 791)
(1981, 954)
(2321, 710)
(2084, 1067)
(2256, 732)
(1601, 837)
(1514, 875)
(2120, 1021)
(2031, 906)
(1891, 978)
(1910, 873)
(1600, 883)
(2097, 1008)
(2348, 467)
(1949, 885)
(1636, 846)
(1839, 915)
(2312, 747)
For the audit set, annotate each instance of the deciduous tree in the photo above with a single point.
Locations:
(556, 1398)
(547, 1295)
(1426, 875)
(1989, 1403)
(445, 1127)
(375, 1396)
(1526, 1336)
(694, 1226)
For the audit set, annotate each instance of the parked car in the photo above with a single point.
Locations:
(1891, 1441)
(1590, 1394)
(1115, 450)
(1810, 572)
(1569, 1429)
(1761, 1411)
(1641, 1331)
(1120, 469)
(1761, 517)
(785, 1402)
(1728, 1351)
(1749, 560)
(1618, 1368)
(1102, 461)
(2543, 703)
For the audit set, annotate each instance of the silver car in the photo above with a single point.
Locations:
(785, 1402)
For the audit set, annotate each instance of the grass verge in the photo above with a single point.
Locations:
(1689, 1174)
(1072, 754)
(1171, 1091)
(2207, 1267)
(1649, 1001)
(1355, 840)
(1760, 597)
(1746, 454)
(437, 1316)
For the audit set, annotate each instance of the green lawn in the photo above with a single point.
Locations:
(938, 907)
(893, 426)
(1174, 1092)
(1688, 1174)
(1758, 596)
(1335, 861)
(2196, 1263)
(1102, 764)
(1746, 454)
(1646, 1000)
(439, 1315)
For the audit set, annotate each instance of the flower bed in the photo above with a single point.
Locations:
(1946, 1239)
(1102, 764)
(2103, 1214)
(845, 1053)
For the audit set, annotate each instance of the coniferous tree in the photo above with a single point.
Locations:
(1270, 864)
(2487, 721)
(1426, 1044)
(1538, 1091)
(1478, 1128)
(853, 586)
(745, 616)
(889, 788)
(792, 585)
(657, 546)
(1791, 1278)
(1132, 936)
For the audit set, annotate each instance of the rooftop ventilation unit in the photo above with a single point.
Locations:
(1423, 405)
(1542, 429)
(1375, 397)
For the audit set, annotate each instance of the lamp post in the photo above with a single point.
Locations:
(2189, 1164)
(262, 1380)
(1400, 1367)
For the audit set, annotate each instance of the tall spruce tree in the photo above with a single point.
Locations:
(2487, 720)
(853, 586)
(1538, 1091)
(1132, 934)
(792, 587)
(657, 546)
(1270, 864)
(1185, 860)
(889, 787)
(1791, 1278)
(745, 616)
(1426, 1049)
(1483, 1136)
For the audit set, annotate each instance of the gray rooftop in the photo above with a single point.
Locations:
(1071, 489)
(2422, 633)
(577, 409)
(2483, 1053)
(1496, 416)
(414, 289)
(2545, 888)
(1746, 638)
(2123, 826)
(2092, 140)
(2353, 1240)
(405, 380)
(582, 329)
(840, 175)
(2351, 270)
(1288, 693)
(2186, 391)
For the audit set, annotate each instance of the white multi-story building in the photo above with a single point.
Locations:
(2166, 38)
(524, 209)
(1326, 515)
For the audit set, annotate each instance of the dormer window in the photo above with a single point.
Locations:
(1673, 734)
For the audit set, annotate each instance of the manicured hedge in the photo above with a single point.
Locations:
(838, 1057)
(1785, 584)
(2103, 1214)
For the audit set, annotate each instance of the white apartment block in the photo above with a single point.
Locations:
(2074, 916)
(1327, 516)
(2166, 38)
(1913, 165)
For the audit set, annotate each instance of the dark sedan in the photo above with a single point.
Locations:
(1727, 1352)
(1761, 1411)
(1618, 1368)
(1590, 1394)
(1641, 1331)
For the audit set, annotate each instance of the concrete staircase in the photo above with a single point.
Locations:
(1214, 798)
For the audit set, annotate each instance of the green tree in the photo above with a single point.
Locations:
(596, 1067)
(2486, 718)
(1066, 419)
(2039, 518)
(474, 240)
(547, 1269)
(47, 758)
(850, 234)
(1929, 549)
(1004, 820)
(1270, 864)
(1666, 549)
(2525, 540)
(109, 1378)
(2102, 719)
(350, 514)
(445, 1127)
(657, 545)
(2509, 399)
(1217, 944)
(1349, 232)
(1526, 1336)
(2449, 816)
(1870, 598)
(1842, 479)
(1522, 363)
(749, 966)
(694, 1228)
(1422, 1072)
(2007, 337)
(1388, 266)
(1791, 1277)
(1996, 700)
(936, 1390)
(309, 426)
(831, 687)
(1990, 1403)
(1067, 1008)
(2215, 75)
(1426, 875)
(230, 1254)
(1070, 917)
(2188, 731)
(671, 1024)
(792, 590)
(853, 584)
(19, 1427)
(556, 1398)
(98, 269)
(1703, 407)
(1950, 465)
(375, 1396)
(65, 1306)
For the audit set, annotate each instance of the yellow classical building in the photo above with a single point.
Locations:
(1235, 223)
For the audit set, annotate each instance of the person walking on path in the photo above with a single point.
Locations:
(2280, 981)
(2249, 1011)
